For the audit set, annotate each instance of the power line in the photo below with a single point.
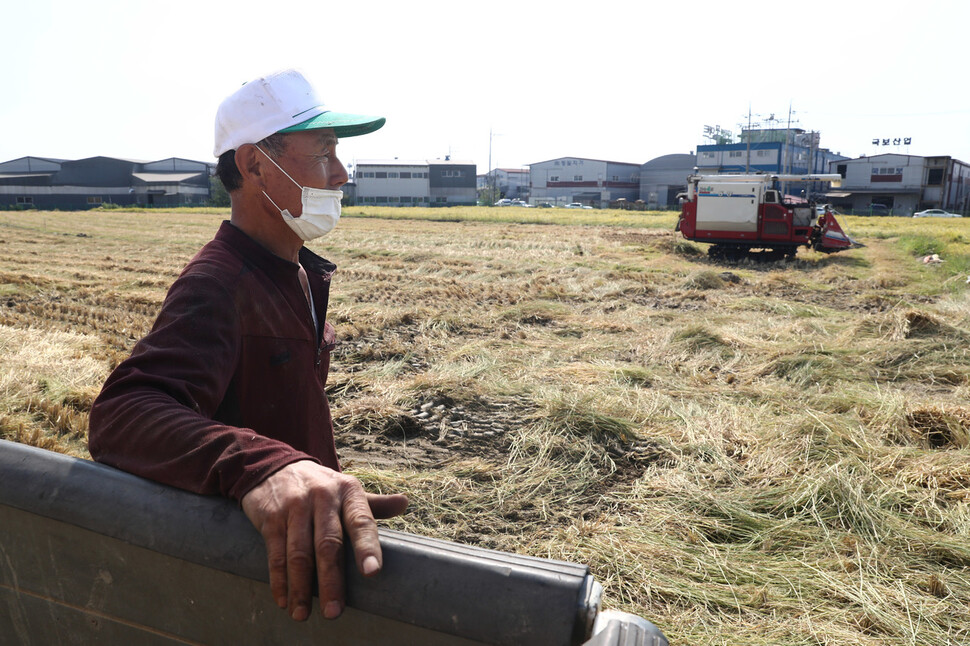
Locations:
(899, 114)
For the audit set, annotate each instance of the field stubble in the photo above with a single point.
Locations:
(744, 454)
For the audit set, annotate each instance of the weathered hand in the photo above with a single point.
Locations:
(302, 512)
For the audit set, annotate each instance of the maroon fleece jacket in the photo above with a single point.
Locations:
(228, 387)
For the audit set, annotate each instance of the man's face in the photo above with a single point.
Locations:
(310, 158)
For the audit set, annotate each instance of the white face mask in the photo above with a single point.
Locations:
(321, 209)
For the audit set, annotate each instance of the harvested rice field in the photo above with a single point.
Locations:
(746, 453)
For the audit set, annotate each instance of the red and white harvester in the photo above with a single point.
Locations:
(745, 215)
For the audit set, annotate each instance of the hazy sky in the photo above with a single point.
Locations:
(625, 81)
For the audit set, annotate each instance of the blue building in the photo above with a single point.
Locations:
(790, 151)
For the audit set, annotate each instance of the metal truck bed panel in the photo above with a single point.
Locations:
(89, 554)
(60, 584)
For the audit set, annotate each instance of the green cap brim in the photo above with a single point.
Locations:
(344, 125)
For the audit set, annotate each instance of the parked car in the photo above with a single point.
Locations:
(936, 213)
(878, 209)
(545, 205)
(820, 209)
(576, 205)
(522, 203)
(504, 202)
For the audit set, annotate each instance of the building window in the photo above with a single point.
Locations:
(761, 153)
(405, 175)
(707, 155)
(368, 173)
(840, 169)
(25, 199)
(94, 199)
(380, 200)
(935, 177)
(405, 200)
(392, 175)
(380, 174)
(441, 200)
(734, 153)
(554, 178)
(577, 178)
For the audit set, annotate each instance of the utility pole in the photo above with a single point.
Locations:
(747, 158)
(491, 176)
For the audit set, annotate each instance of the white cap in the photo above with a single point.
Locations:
(282, 101)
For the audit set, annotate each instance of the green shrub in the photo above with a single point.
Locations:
(921, 245)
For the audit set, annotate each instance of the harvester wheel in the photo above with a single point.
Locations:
(727, 252)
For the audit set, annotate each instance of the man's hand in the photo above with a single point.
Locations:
(302, 511)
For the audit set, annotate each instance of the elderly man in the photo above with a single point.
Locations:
(225, 395)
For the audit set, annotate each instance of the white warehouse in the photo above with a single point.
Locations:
(901, 183)
(593, 182)
(393, 182)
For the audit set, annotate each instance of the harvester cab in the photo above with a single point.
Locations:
(746, 215)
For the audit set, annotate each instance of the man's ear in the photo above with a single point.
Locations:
(249, 161)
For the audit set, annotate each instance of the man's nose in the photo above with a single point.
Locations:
(338, 174)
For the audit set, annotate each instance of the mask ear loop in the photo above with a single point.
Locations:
(280, 167)
(273, 203)
(282, 171)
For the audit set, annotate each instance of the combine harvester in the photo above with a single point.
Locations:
(746, 216)
(93, 555)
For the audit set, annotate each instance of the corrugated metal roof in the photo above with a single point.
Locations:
(18, 175)
(604, 161)
(411, 162)
(390, 162)
(877, 191)
(153, 178)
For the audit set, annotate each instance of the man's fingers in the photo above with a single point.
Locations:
(329, 545)
(299, 563)
(273, 530)
(384, 506)
(276, 553)
(361, 529)
(303, 512)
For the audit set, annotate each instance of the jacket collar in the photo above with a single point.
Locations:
(269, 262)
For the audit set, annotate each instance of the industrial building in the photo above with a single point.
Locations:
(663, 178)
(45, 183)
(902, 184)
(767, 150)
(393, 182)
(511, 183)
(593, 182)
